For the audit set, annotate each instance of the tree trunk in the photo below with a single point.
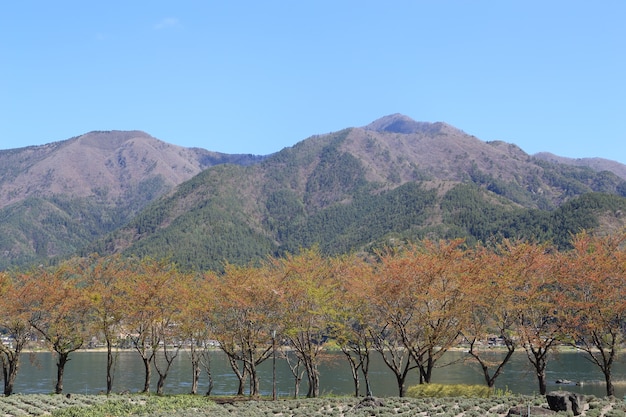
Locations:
(10, 368)
(365, 368)
(296, 386)
(163, 372)
(610, 389)
(61, 362)
(400, 380)
(538, 357)
(254, 383)
(393, 352)
(399, 363)
(110, 362)
(357, 382)
(147, 373)
(541, 377)
(313, 378)
(242, 383)
(488, 379)
(540, 364)
(250, 363)
(426, 370)
(205, 360)
(195, 376)
(354, 369)
(195, 366)
(161, 383)
(241, 375)
(210, 388)
(295, 371)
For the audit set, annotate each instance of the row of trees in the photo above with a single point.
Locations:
(409, 305)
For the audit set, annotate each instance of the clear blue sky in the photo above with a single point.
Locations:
(257, 76)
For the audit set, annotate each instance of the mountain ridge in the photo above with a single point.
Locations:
(81, 166)
(125, 191)
(357, 188)
(595, 163)
(58, 197)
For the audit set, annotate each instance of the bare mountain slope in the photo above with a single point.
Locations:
(396, 149)
(354, 189)
(57, 198)
(110, 163)
(358, 188)
(597, 164)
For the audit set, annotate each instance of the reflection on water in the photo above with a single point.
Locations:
(86, 373)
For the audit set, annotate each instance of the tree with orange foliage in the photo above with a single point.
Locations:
(536, 300)
(440, 272)
(101, 279)
(489, 313)
(421, 293)
(15, 317)
(153, 292)
(308, 289)
(392, 299)
(246, 305)
(139, 318)
(593, 275)
(59, 313)
(355, 314)
(196, 325)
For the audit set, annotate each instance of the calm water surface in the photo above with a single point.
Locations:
(86, 373)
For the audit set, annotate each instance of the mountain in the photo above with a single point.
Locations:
(353, 190)
(56, 198)
(361, 188)
(597, 164)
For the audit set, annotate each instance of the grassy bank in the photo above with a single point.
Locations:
(197, 406)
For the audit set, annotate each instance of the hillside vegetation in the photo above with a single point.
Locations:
(57, 198)
(395, 180)
(353, 190)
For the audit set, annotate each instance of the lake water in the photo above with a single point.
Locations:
(86, 373)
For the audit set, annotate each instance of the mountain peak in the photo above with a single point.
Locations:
(399, 123)
(111, 139)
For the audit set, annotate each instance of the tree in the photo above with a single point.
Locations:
(489, 313)
(307, 288)
(59, 313)
(165, 305)
(392, 302)
(143, 290)
(15, 317)
(196, 324)
(101, 278)
(353, 325)
(247, 304)
(426, 299)
(593, 275)
(537, 301)
(295, 367)
(440, 272)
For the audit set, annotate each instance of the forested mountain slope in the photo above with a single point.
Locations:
(57, 198)
(360, 188)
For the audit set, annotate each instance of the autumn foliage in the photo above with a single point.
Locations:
(408, 304)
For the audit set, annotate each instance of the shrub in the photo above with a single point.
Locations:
(452, 390)
(593, 412)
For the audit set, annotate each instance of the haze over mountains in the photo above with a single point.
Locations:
(349, 190)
